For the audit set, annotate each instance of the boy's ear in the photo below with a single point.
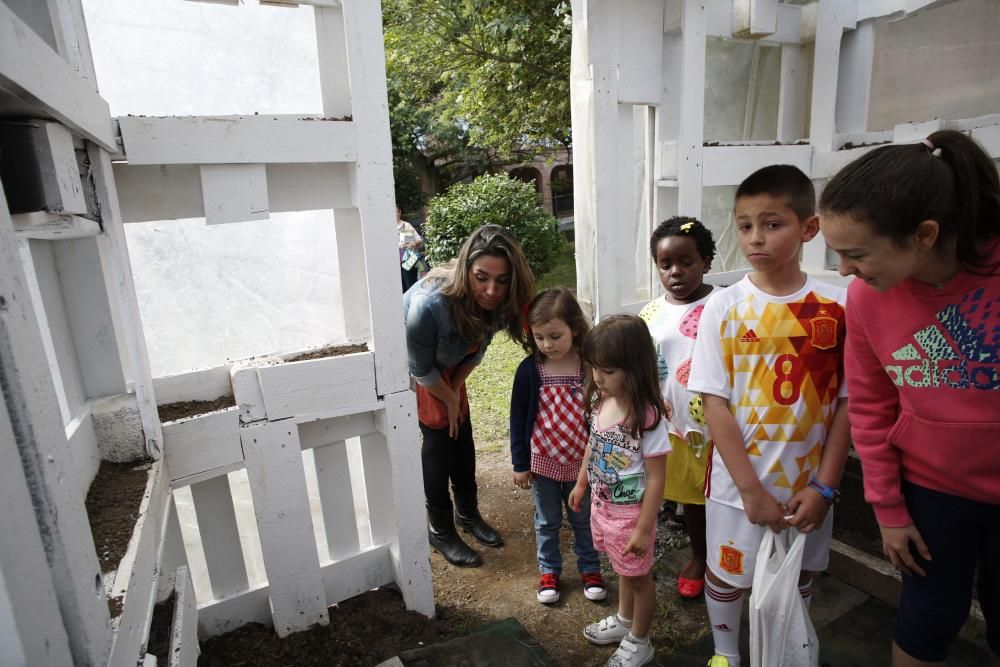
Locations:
(810, 227)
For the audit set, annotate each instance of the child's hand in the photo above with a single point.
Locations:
(809, 510)
(523, 479)
(763, 510)
(576, 497)
(897, 543)
(669, 409)
(638, 542)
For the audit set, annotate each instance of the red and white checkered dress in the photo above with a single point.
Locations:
(559, 436)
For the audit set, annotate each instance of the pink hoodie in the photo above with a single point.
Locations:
(923, 376)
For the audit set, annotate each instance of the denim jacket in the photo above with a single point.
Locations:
(432, 342)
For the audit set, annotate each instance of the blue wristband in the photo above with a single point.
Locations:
(830, 495)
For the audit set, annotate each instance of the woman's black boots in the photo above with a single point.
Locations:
(443, 537)
(468, 517)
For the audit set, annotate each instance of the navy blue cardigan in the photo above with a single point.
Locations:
(523, 409)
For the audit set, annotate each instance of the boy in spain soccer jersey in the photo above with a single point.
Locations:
(768, 363)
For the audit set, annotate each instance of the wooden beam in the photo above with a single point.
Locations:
(234, 193)
(173, 192)
(184, 649)
(202, 443)
(236, 139)
(37, 74)
(287, 540)
(46, 226)
(328, 387)
(220, 536)
(692, 110)
(729, 165)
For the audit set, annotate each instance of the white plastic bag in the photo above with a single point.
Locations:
(781, 632)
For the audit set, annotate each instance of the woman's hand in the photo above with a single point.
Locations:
(454, 406)
(638, 542)
(523, 479)
(896, 545)
(763, 510)
(809, 510)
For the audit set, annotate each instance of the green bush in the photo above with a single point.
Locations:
(493, 200)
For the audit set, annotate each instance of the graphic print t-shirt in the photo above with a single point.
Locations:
(779, 362)
(615, 470)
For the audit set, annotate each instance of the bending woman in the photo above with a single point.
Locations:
(451, 316)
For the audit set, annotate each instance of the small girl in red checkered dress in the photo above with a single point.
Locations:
(548, 436)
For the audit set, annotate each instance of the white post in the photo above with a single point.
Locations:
(794, 79)
(826, 63)
(333, 477)
(220, 536)
(410, 553)
(47, 462)
(691, 137)
(287, 540)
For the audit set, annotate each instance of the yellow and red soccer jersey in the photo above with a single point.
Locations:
(779, 362)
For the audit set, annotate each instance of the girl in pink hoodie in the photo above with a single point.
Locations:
(919, 226)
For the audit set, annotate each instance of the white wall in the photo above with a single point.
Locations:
(208, 294)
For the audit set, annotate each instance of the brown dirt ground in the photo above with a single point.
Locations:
(375, 626)
(113, 506)
(331, 351)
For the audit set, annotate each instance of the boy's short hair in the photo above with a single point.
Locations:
(783, 181)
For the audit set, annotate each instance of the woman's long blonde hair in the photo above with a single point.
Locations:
(471, 321)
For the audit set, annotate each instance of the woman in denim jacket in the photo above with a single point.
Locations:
(451, 317)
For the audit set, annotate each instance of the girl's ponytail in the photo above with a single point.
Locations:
(947, 178)
(975, 196)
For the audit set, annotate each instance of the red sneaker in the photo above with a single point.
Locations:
(548, 588)
(593, 586)
(690, 588)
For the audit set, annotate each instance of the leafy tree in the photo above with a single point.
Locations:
(493, 200)
(474, 83)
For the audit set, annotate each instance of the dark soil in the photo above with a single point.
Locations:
(170, 412)
(159, 630)
(331, 351)
(364, 630)
(853, 520)
(113, 508)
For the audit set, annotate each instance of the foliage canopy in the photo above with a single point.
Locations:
(474, 82)
(492, 200)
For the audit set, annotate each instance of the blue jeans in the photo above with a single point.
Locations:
(550, 497)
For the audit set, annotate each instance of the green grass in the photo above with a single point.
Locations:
(489, 385)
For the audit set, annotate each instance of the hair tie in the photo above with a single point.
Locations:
(686, 227)
(936, 152)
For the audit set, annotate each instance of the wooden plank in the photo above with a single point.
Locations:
(172, 555)
(217, 617)
(855, 78)
(135, 580)
(31, 627)
(729, 165)
(379, 483)
(33, 71)
(826, 65)
(45, 457)
(83, 444)
(333, 477)
(205, 384)
(409, 555)
(355, 297)
(753, 19)
(184, 649)
(327, 431)
(641, 39)
(827, 163)
(234, 193)
(96, 341)
(792, 87)
(331, 46)
(172, 192)
(369, 101)
(287, 541)
(236, 139)
(203, 442)
(352, 576)
(692, 110)
(322, 386)
(246, 388)
(125, 305)
(220, 537)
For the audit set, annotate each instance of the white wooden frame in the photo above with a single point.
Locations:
(607, 50)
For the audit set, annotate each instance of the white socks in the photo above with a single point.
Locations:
(725, 606)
